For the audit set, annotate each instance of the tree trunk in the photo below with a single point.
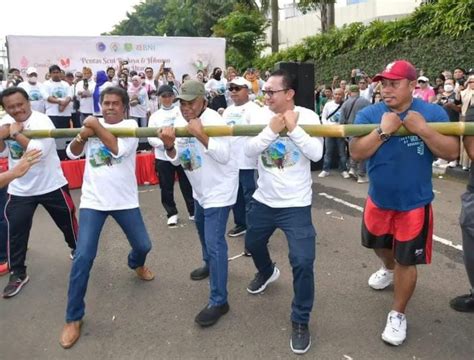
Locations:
(324, 17)
(275, 40)
(331, 20)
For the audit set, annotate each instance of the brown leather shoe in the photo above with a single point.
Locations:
(144, 273)
(70, 334)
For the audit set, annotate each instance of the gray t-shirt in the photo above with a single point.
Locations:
(351, 107)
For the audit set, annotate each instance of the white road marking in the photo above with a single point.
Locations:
(361, 209)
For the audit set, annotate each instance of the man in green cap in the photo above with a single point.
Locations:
(214, 177)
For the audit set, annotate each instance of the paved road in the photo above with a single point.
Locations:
(129, 319)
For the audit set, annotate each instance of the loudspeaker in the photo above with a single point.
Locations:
(304, 75)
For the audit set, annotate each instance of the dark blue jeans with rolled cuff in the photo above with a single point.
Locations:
(247, 186)
(335, 146)
(211, 224)
(297, 225)
(90, 225)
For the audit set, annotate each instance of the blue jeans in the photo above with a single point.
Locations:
(247, 186)
(297, 225)
(211, 224)
(333, 146)
(90, 225)
(3, 226)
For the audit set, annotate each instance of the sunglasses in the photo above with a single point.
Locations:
(235, 88)
(421, 82)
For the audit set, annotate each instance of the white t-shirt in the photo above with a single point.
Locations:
(218, 86)
(329, 109)
(212, 172)
(47, 175)
(284, 163)
(34, 95)
(86, 103)
(240, 115)
(162, 118)
(60, 90)
(140, 110)
(109, 181)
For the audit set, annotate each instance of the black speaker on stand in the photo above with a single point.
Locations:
(304, 74)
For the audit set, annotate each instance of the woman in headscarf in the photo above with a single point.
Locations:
(215, 88)
(102, 82)
(138, 100)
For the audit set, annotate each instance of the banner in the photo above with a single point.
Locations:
(185, 55)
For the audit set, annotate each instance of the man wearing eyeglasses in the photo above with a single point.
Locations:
(283, 198)
(239, 114)
(398, 218)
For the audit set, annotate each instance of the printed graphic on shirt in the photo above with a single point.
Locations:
(16, 151)
(235, 118)
(59, 92)
(335, 118)
(282, 153)
(35, 95)
(189, 154)
(411, 141)
(99, 155)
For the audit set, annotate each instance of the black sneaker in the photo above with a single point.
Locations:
(300, 338)
(237, 231)
(211, 314)
(260, 282)
(200, 273)
(463, 303)
(14, 285)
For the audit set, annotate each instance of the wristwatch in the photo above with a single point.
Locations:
(383, 136)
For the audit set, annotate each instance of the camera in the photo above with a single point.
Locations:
(167, 69)
(86, 84)
(461, 82)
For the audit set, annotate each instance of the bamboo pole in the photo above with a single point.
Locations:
(450, 128)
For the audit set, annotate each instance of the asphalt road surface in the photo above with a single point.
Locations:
(130, 319)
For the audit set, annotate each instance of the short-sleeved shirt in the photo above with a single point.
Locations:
(400, 170)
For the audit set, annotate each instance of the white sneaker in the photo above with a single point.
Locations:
(191, 217)
(352, 173)
(395, 331)
(381, 279)
(362, 179)
(440, 162)
(345, 175)
(173, 221)
(323, 174)
(453, 164)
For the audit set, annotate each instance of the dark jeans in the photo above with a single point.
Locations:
(335, 146)
(466, 220)
(90, 224)
(297, 225)
(360, 167)
(247, 186)
(19, 212)
(166, 172)
(211, 224)
(76, 119)
(3, 226)
(61, 122)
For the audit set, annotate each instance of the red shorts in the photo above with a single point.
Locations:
(408, 233)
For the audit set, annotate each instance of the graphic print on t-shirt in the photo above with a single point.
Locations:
(411, 141)
(59, 92)
(35, 95)
(235, 118)
(281, 153)
(16, 151)
(100, 155)
(189, 154)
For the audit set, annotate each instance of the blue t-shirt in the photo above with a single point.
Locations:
(400, 170)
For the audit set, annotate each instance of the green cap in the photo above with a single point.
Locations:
(354, 88)
(191, 90)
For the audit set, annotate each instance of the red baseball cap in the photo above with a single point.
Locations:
(397, 70)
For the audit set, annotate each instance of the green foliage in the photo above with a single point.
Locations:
(244, 31)
(434, 36)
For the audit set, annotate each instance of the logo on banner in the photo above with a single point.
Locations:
(128, 46)
(115, 46)
(65, 62)
(24, 62)
(100, 46)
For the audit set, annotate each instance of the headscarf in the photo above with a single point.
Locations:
(100, 80)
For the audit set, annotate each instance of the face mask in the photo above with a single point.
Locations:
(32, 79)
(448, 87)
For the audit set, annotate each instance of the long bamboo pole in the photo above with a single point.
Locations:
(451, 128)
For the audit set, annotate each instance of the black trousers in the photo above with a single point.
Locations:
(166, 172)
(61, 122)
(19, 211)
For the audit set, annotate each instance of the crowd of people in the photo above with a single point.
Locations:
(265, 180)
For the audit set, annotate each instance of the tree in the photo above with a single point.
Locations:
(326, 7)
(244, 31)
(275, 39)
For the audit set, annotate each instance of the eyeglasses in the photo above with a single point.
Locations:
(235, 88)
(270, 93)
(421, 82)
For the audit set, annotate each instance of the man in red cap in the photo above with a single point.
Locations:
(398, 218)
